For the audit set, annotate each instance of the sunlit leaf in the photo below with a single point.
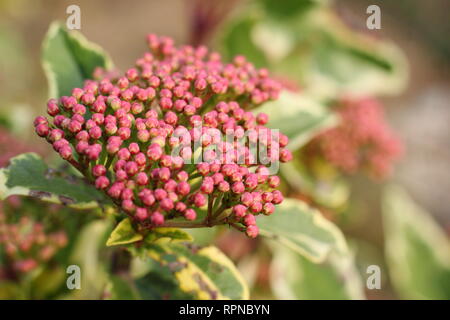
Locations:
(124, 233)
(298, 117)
(417, 249)
(295, 277)
(122, 288)
(200, 272)
(69, 58)
(304, 230)
(87, 255)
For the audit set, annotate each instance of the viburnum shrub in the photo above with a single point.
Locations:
(363, 140)
(138, 138)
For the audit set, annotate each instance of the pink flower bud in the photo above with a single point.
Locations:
(115, 190)
(164, 174)
(157, 218)
(98, 170)
(239, 211)
(127, 194)
(95, 132)
(52, 107)
(55, 135)
(42, 129)
(132, 74)
(81, 147)
(142, 179)
(277, 197)
(247, 198)
(147, 197)
(223, 186)
(124, 154)
(190, 214)
(207, 185)
(141, 214)
(274, 181)
(238, 187)
(93, 151)
(166, 103)
(268, 208)
(285, 155)
(131, 168)
(170, 186)
(199, 200)
(160, 194)
(252, 231)
(101, 182)
(57, 145)
(154, 152)
(140, 159)
(128, 206)
(65, 152)
(82, 136)
(249, 220)
(166, 204)
(256, 207)
(87, 98)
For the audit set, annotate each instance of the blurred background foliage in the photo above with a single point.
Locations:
(323, 54)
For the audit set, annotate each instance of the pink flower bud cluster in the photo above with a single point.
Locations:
(121, 133)
(26, 244)
(363, 140)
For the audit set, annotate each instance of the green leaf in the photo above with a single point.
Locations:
(167, 234)
(200, 272)
(299, 117)
(304, 230)
(88, 255)
(290, 8)
(51, 279)
(122, 288)
(344, 62)
(28, 175)
(123, 233)
(69, 59)
(318, 51)
(295, 277)
(417, 249)
(159, 283)
(237, 40)
(327, 188)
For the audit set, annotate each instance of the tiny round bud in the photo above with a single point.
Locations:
(141, 214)
(157, 218)
(252, 231)
(101, 182)
(42, 129)
(239, 210)
(142, 179)
(268, 208)
(238, 187)
(190, 214)
(249, 220)
(199, 200)
(274, 181)
(277, 197)
(98, 170)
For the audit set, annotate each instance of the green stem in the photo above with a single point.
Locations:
(176, 224)
(109, 161)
